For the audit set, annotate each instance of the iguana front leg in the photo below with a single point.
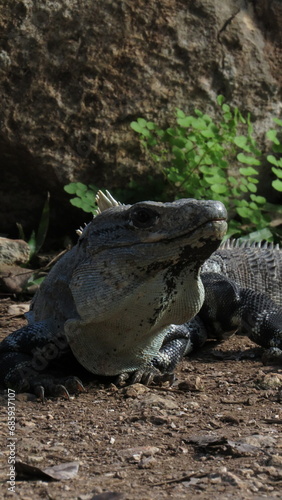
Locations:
(229, 308)
(179, 341)
(27, 353)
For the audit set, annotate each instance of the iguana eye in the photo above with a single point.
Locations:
(143, 217)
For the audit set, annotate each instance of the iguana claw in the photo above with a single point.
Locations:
(61, 387)
(147, 376)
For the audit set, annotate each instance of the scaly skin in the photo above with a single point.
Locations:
(109, 300)
(144, 285)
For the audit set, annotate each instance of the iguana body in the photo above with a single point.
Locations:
(254, 265)
(122, 299)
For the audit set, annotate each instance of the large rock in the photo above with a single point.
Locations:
(74, 74)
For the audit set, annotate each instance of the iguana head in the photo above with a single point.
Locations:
(136, 271)
(197, 224)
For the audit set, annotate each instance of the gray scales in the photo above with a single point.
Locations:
(144, 285)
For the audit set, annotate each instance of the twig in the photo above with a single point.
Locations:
(187, 477)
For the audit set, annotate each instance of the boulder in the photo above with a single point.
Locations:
(74, 74)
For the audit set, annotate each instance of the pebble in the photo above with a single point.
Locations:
(13, 251)
(160, 402)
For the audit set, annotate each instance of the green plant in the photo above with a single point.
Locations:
(201, 158)
(276, 160)
(36, 240)
(84, 196)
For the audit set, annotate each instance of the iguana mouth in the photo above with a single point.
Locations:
(218, 228)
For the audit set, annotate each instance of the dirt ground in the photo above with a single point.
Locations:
(215, 433)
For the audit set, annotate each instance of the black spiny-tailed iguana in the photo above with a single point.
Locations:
(124, 300)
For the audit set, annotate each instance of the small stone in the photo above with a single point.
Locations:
(159, 420)
(233, 479)
(135, 390)
(13, 251)
(160, 402)
(35, 459)
(193, 405)
(216, 479)
(275, 461)
(259, 440)
(138, 452)
(270, 380)
(147, 463)
(18, 309)
(14, 278)
(191, 384)
(121, 474)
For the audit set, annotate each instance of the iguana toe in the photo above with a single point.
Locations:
(145, 376)
(56, 387)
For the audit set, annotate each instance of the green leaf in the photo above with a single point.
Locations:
(142, 122)
(244, 212)
(277, 172)
(248, 171)
(76, 202)
(242, 142)
(232, 180)
(208, 120)
(43, 225)
(215, 179)
(258, 199)
(81, 187)
(178, 152)
(185, 122)
(241, 203)
(71, 188)
(226, 108)
(272, 160)
(32, 244)
(152, 142)
(251, 187)
(207, 133)
(250, 160)
(243, 180)
(160, 133)
(220, 99)
(136, 127)
(278, 121)
(210, 170)
(271, 135)
(262, 235)
(180, 113)
(151, 125)
(34, 281)
(219, 188)
(171, 131)
(180, 142)
(277, 184)
(254, 180)
(199, 124)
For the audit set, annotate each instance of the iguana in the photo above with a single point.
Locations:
(138, 291)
